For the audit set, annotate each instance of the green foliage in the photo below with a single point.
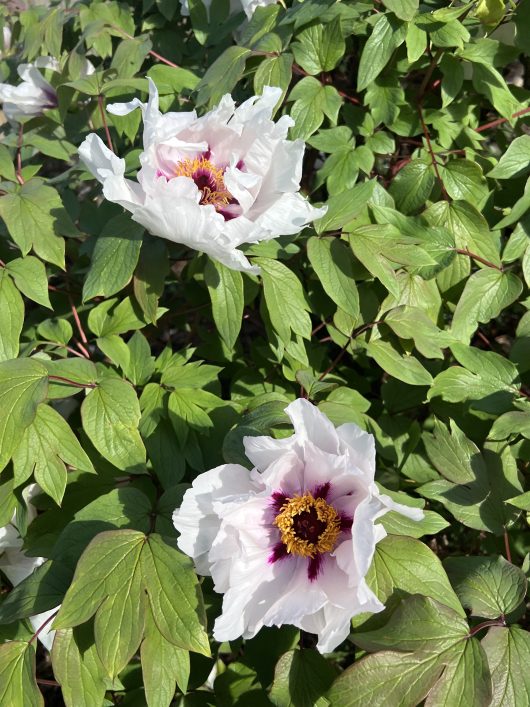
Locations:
(130, 364)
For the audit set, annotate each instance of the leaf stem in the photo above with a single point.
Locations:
(355, 333)
(478, 258)
(20, 140)
(43, 626)
(68, 381)
(486, 624)
(105, 125)
(500, 121)
(507, 545)
(151, 52)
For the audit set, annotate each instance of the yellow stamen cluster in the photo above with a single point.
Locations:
(326, 514)
(219, 196)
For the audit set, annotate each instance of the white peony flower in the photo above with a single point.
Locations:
(34, 95)
(291, 541)
(249, 6)
(16, 565)
(210, 183)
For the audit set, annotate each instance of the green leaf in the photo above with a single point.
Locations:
(464, 180)
(403, 367)
(413, 185)
(30, 277)
(274, 71)
(344, 207)
(110, 415)
(404, 9)
(312, 101)
(11, 317)
(319, 47)
(23, 385)
(41, 591)
(486, 294)
(116, 317)
(488, 586)
(413, 323)
(225, 287)
(387, 35)
(222, 75)
(285, 299)
(515, 162)
(114, 258)
(174, 598)
(403, 565)
(18, 685)
(7, 169)
(334, 265)
(397, 524)
(511, 424)
(465, 681)
(452, 454)
(47, 445)
(35, 218)
(119, 572)
(164, 666)
(150, 276)
(481, 503)
(301, 679)
(386, 678)
(55, 330)
(418, 624)
(508, 654)
(78, 668)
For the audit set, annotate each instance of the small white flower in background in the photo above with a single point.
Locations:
(248, 6)
(291, 541)
(210, 183)
(33, 95)
(16, 565)
(6, 41)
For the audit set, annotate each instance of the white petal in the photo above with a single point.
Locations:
(311, 424)
(287, 215)
(263, 451)
(355, 556)
(408, 511)
(360, 447)
(196, 520)
(109, 170)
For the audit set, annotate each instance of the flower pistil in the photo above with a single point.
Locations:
(308, 525)
(209, 181)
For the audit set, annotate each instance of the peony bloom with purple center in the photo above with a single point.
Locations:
(211, 183)
(291, 541)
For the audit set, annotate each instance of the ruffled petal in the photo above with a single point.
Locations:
(109, 170)
(359, 446)
(312, 425)
(196, 519)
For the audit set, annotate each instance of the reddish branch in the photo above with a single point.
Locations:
(486, 624)
(154, 54)
(43, 626)
(355, 333)
(75, 384)
(478, 258)
(104, 119)
(20, 140)
(507, 546)
(500, 121)
(421, 96)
